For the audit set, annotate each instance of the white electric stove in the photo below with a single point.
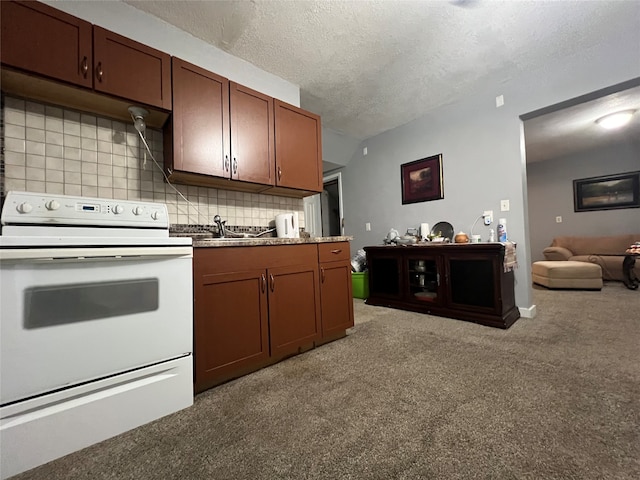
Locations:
(96, 304)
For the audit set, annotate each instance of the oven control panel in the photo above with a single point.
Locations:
(47, 209)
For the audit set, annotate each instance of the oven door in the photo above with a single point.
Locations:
(74, 315)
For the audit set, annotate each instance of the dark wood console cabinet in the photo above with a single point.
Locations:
(463, 281)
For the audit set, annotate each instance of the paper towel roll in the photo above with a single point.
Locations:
(424, 230)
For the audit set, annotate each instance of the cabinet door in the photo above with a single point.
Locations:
(131, 70)
(336, 297)
(384, 274)
(294, 308)
(473, 283)
(46, 41)
(423, 280)
(200, 121)
(298, 148)
(252, 135)
(231, 325)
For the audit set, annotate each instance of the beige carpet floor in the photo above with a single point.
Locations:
(411, 396)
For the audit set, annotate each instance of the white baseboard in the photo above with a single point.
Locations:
(529, 312)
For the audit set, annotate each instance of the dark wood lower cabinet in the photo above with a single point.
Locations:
(336, 289)
(232, 328)
(463, 281)
(254, 306)
(294, 308)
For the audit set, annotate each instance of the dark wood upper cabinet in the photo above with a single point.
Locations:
(221, 133)
(298, 148)
(130, 69)
(40, 39)
(252, 135)
(200, 122)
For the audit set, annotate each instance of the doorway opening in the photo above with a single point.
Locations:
(324, 212)
(331, 206)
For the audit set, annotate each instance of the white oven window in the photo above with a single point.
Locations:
(46, 306)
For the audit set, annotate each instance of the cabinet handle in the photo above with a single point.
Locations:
(279, 173)
(264, 283)
(226, 163)
(85, 66)
(438, 279)
(235, 165)
(322, 274)
(337, 251)
(99, 71)
(272, 281)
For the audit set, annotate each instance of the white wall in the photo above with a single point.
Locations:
(149, 30)
(337, 147)
(550, 189)
(482, 153)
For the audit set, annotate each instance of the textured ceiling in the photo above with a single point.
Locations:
(369, 66)
(574, 129)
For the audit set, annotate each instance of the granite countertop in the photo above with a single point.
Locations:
(204, 240)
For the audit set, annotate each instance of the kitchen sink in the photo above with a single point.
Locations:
(237, 239)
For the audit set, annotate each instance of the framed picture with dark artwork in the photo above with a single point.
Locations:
(422, 180)
(607, 193)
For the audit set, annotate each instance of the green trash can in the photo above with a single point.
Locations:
(360, 284)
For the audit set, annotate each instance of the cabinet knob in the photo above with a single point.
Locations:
(272, 281)
(336, 251)
(279, 173)
(264, 283)
(322, 274)
(226, 163)
(235, 165)
(99, 71)
(84, 66)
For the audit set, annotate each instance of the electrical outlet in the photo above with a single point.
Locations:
(488, 217)
(504, 205)
(367, 227)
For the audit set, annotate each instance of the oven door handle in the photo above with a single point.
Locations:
(91, 254)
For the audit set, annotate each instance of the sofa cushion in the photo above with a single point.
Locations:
(611, 265)
(583, 245)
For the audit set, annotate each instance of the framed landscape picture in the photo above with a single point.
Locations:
(606, 193)
(422, 180)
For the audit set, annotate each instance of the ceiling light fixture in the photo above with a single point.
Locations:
(615, 120)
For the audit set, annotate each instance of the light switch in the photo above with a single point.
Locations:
(365, 151)
(558, 219)
(504, 205)
(367, 227)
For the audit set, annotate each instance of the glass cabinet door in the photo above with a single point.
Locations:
(424, 280)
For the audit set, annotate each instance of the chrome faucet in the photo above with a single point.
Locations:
(218, 221)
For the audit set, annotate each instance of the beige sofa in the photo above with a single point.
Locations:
(608, 252)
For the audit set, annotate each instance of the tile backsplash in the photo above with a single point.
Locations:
(50, 149)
